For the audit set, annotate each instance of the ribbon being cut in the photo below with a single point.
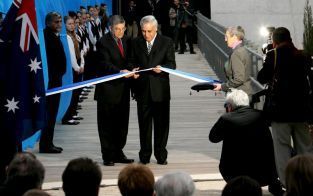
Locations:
(205, 82)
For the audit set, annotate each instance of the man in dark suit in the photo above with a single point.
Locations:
(152, 88)
(56, 61)
(286, 69)
(113, 96)
(247, 143)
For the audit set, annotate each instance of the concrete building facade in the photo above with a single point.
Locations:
(253, 14)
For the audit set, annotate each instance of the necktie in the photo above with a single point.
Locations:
(120, 47)
(149, 47)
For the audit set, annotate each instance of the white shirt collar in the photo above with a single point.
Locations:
(152, 41)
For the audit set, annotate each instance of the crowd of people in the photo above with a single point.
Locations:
(82, 176)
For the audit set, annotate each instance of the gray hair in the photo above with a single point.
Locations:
(50, 16)
(237, 98)
(238, 31)
(175, 184)
(149, 19)
(115, 20)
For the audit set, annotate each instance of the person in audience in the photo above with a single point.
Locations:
(238, 69)
(175, 184)
(287, 68)
(247, 143)
(242, 186)
(82, 176)
(299, 175)
(56, 62)
(25, 172)
(77, 61)
(131, 18)
(36, 192)
(113, 97)
(136, 180)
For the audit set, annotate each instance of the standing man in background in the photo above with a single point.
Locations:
(113, 97)
(56, 62)
(152, 89)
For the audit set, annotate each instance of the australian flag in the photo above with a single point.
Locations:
(22, 100)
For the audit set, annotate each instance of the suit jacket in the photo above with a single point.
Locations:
(56, 59)
(292, 87)
(150, 83)
(111, 62)
(238, 71)
(247, 145)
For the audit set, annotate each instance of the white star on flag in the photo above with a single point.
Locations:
(36, 99)
(12, 105)
(34, 65)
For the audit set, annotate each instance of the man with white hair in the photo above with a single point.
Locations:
(175, 184)
(247, 143)
(152, 88)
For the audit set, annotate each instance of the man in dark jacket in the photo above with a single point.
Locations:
(247, 143)
(113, 96)
(56, 61)
(152, 88)
(286, 69)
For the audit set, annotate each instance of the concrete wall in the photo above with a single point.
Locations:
(252, 14)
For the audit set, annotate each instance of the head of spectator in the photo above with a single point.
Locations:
(299, 175)
(136, 180)
(82, 9)
(234, 35)
(176, 3)
(54, 22)
(149, 27)
(79, 14)
(91, 11)
(36, 192)
(83, 19)
(24, 172)
(69, 24)
(236, 98)
(175, 184)
(117, 26)
(243, 186)
(281, 35)
(82, 176)
(72, 14)
(88, 17)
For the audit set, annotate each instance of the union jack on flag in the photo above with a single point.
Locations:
(22, 100)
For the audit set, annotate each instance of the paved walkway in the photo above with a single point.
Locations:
(192, 116)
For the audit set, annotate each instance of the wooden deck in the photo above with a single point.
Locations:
(192, 116)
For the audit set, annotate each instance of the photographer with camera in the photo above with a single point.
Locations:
(185, 25)
(247, 143)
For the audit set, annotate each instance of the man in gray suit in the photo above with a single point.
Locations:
(238, 70)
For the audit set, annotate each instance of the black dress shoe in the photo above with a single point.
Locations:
(124, 160)
(108, 163)
(193, 52)
(50, 150)
(144, 162)
(162, 162)
(57, 147)
(181, 53)
(77, 118)
(70, 122)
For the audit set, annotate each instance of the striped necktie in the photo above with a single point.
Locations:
(149, 47)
